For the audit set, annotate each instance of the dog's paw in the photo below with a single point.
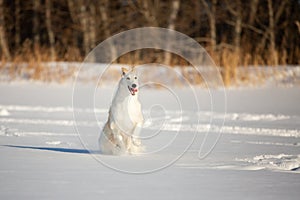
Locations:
(136, 142)
(117, 146)
(119, 150)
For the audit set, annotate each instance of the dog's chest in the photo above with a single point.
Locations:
(127, 112)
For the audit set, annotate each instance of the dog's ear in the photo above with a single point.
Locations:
(133, 68)
(124, 71)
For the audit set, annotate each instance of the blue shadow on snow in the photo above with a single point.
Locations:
(56, 149)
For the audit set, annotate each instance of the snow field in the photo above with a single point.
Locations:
(42, 155)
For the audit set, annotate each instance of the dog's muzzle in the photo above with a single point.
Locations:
(132, 90)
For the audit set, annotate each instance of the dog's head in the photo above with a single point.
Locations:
(131, 79)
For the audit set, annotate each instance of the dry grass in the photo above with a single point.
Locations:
(34, 64)
(230, 61)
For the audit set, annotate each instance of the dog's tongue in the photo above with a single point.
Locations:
(133, 91)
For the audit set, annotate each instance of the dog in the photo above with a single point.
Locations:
(121, 131)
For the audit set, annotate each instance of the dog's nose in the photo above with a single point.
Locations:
(133, 85)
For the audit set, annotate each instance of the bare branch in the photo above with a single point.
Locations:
(3, 38)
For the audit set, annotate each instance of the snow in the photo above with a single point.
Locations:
(256, 156)
(52, 72)
(4, 112)
(275, 162)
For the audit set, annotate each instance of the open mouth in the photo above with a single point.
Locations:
(132, 90)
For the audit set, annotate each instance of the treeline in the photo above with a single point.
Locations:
(235, 32)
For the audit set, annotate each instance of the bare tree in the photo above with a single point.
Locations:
(3, 38)
(270, 30)
(173, 15)
(273, 52)
(105, 22)
(83, 19)
(36, 22)
(253, 10)
(148, 9)
(211, 13)
(73, 11)
(171, 25)
(85, 14)
(17, 23)
(92, 25)
(237, 13)
(49, 29)
(263, 32)
(298, 26)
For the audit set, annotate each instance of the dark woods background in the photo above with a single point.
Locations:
(234, 32)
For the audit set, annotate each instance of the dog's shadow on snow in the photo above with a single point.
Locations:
(55, 149)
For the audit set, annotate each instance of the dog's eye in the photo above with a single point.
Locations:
(135, 77)
(128, 78)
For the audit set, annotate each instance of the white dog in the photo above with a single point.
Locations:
(125, 120)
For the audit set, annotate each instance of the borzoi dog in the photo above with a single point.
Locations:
(125, 120)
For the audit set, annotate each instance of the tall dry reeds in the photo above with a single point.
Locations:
(230, 61)
(33, 62)
(36, 63)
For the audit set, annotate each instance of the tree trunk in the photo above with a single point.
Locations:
(105, 21)
(49, 29)
(74, 16)
(253, 10)
(172, 19)
(149, 12)
(36, 34)
(212, 25)
(211, 13)
(149, 9)
(83, 18)
(92, 25)
(174, 12)
(273, 52)
(3, 38)
(270, 30)
(17, 23)
(72, 10)
(238, 31)
(298, 26)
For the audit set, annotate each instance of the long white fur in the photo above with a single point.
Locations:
(125, 120)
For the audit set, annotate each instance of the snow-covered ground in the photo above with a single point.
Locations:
(253, 76)
(46, 154)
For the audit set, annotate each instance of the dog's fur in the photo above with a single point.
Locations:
(121, 131)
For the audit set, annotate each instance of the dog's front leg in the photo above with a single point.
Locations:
(119, 142)
(136, 132)
(118, 138)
